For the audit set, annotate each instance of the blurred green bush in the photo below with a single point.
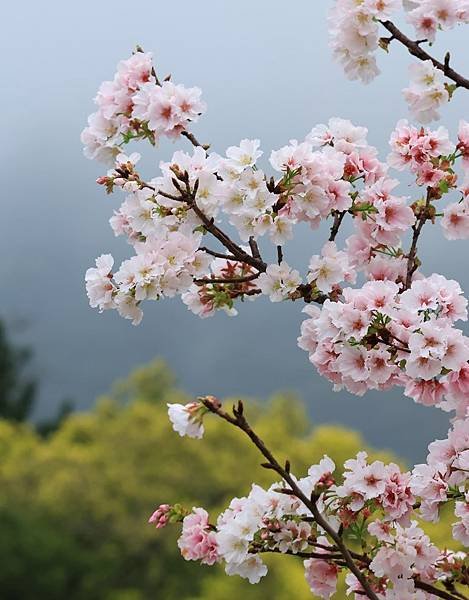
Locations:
(74, 506)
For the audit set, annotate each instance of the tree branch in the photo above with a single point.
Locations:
(236, 250)
(240, 421)
(348, 556)
(193, 140)
(245, 279)
(435, 591)
(337, 558)
(416, 50)
(217, 254)
(338, 218)
(417, 229)
(279, 254)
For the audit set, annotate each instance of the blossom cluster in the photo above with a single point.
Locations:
(444, 476)
(430, 156)
(163, 266)
(427, 91)
(376, 337)
(134, 105)
(430, 16)
(397, 329)
(378, 504)
(320, 177)
(354, 34)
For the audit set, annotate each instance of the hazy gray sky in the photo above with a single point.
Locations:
(266, 71)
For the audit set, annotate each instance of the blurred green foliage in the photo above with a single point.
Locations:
(17, 390)
(74, 506)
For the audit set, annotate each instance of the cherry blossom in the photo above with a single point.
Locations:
(187, 419)
(198, 541)
(214, 229)
(279, 281)
(426, 92)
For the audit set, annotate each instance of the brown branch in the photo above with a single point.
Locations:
(308, 294)
(349, 557)
(254, 292)
(188, 195)
(240, 421)
(166, 195)
(217, 254)
(337, 558)
(435, 591)
(221, 236)
(338, 218)
(205, 280)
(417, 230)
(279, 254)
(254, 247)
(393, 346)
(416, 50)
(193, 140)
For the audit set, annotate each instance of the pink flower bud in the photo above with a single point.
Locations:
(161, 516)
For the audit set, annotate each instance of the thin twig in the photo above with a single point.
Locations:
(319, 555)
(279, 254)
(217, 254)
(193, 140)
(245, 279)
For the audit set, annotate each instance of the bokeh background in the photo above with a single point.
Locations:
(72, 503)
(266, 72)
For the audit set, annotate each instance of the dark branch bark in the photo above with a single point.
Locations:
(217, 254)
(279, 254)
(416, 50)
(254, 248)
(193, 140)
(435, 591)
(236, 250)
(338, 218)
(417, 230)
(227, 280)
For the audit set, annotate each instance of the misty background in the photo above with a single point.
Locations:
(266, 72)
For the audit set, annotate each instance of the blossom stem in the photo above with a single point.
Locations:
(436, 592)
